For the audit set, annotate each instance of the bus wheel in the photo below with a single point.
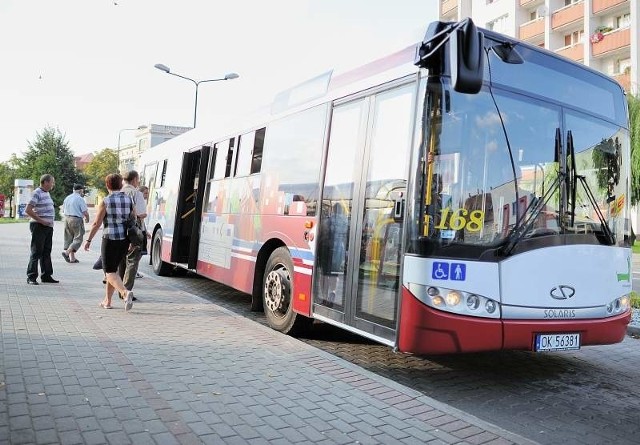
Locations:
(159, 267)
(277, 295)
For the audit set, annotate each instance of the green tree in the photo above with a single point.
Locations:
(103, 163)
(7, 181)
(634, 127)
(50, 153)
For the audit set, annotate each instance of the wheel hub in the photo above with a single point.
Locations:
(276, 290)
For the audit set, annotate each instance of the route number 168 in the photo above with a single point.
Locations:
(460, 219)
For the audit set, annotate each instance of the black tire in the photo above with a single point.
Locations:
(159, 267)
(277, 294)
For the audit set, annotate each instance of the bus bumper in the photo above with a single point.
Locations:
(424, 330)
(520, 334)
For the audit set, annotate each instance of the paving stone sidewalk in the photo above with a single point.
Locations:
(178, 369)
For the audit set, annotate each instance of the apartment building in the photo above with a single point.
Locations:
(602, 34)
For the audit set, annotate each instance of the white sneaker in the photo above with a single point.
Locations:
(128, 302)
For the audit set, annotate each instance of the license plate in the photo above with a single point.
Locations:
(557, 342)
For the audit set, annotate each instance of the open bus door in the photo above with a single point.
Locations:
(186, 235)
(359, 249)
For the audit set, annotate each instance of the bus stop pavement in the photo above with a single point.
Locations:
(178, 369)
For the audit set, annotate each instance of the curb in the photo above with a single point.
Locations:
(633, 331)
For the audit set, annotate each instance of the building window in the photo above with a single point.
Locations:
(621, 66)
(499, 24)
(571, 2)
(574, 38)
(623, 21)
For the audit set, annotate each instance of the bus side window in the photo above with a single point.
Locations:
(244, 152)
(230, 158)
(221, 153)
(212, 162)
(258, 145)
(249, 153)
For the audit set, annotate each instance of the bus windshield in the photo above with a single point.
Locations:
(495, 163)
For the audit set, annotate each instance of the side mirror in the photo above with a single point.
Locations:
(466, 58)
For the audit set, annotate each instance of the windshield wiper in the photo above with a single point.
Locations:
(525, 223)
(572, 182)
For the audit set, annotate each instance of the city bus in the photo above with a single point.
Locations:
(468, 193)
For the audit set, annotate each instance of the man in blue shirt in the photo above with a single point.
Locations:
(76, 214)
(40, 209)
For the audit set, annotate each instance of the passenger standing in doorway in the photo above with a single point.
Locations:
(76, 213)
(128, 267)
(143, 251)
(42, 212)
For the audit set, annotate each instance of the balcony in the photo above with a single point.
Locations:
(567, 15)
(612, 41)
(573, 52)
(448, 7)
(532, 29)
(603, 5)
(530, 3)
(624, 80)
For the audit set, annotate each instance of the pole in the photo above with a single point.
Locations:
(195, 108)
(118, 153)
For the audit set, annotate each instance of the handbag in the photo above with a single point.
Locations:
(143, 249)
(135, 234)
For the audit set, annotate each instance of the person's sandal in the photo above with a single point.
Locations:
(105, 306)
(128, 303)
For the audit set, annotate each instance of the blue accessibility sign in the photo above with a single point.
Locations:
(442, 270)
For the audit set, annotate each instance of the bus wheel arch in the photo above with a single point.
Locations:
(159, 267)
(277, 294)
(258, 275)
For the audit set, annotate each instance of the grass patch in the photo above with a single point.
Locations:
(635, 300)
(636, 247)
(13, 220)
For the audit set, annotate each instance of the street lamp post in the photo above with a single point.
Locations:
(141, 127)
(166, 69)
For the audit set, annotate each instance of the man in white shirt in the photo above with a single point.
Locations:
(76, 214)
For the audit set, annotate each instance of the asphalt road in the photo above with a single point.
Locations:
(591, 396)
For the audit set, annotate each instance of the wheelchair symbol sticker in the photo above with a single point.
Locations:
(446, 271)
(440, 271)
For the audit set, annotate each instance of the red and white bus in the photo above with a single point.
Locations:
(468, 193)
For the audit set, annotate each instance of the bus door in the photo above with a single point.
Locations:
(184, 248)
(359, 249)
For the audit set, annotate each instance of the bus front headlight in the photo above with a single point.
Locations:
(453, 298)
(473, 302)
(456, 301)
